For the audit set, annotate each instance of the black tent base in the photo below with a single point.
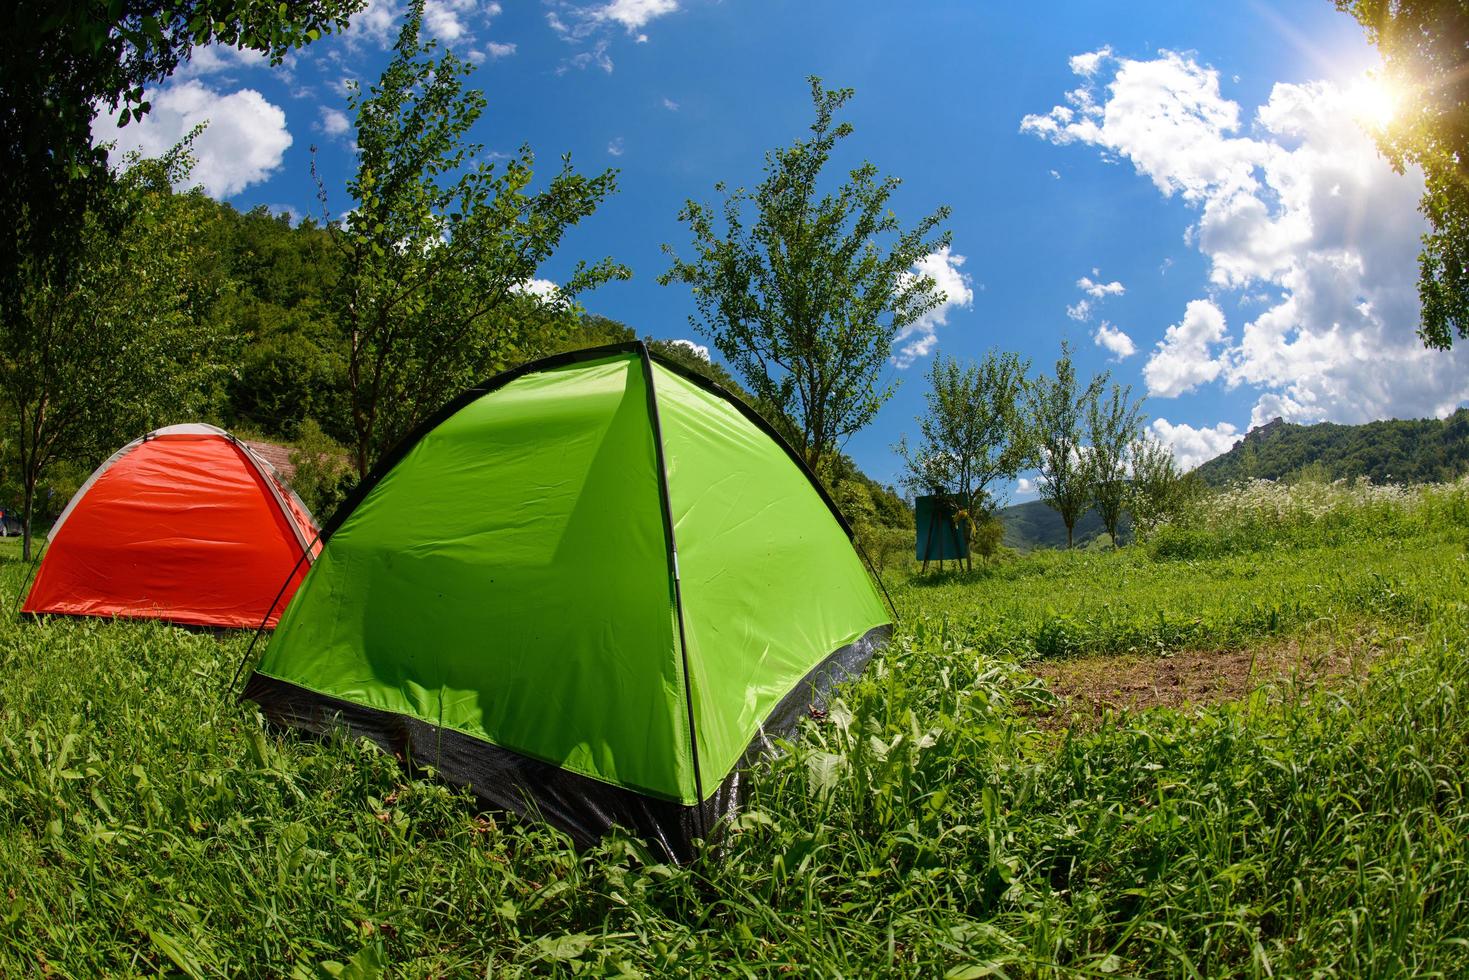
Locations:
(583, 807)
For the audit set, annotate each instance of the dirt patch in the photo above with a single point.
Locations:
(1090, 687)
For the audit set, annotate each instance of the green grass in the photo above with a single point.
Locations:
(1056, 604)
(926, 828)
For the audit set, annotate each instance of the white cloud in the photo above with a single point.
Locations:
(597, 55)
(1086, 64)
(591, 24)
(1293, 204)
(1166, 116)
(1024, 487)
(376, 23)
(445, 19)
(699, 350)
(634, 14)
(544, 288)
(1099, 290)
(615, 147)
(334, 122)
(1192, 446)
(670, 105)
(243, 144)
(218, 59)
(918, 338)
(1096, 291)
(455, 22)
(1114, 340)
(1185, 358)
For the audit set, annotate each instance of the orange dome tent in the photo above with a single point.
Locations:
(186, 524)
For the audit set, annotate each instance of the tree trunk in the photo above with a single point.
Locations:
(1069, 526)
(25, 517)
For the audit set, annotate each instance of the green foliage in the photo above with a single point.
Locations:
(927, 826)
(1157, 492)
(883, 532)
(1389, 451)
(292, 363)
(972, 435)
(1113, 424)
(888, 548)
(987, 536)
(876, 503)
(805, 302)
(64, 61)
(590, 330)
(1422, 44)
(119, 345)
(855, 501)
(440, 247)
(1056, 409)
(323, 475)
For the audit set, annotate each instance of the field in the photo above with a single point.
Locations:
(1257, 769)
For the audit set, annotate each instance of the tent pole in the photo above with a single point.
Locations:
(877, 575)
(305, 553)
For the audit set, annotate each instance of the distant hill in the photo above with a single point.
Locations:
(1035, 525)
(1391, 451)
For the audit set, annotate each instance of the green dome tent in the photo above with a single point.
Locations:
(592, 588)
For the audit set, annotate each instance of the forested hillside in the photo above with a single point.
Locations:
(282, 370)
(1390, 451)
(1035, 524)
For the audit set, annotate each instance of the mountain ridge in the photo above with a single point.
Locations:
(1384, 451)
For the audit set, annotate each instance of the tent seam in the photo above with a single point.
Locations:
(671, 554)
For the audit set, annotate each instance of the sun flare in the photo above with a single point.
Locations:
(1375, 101)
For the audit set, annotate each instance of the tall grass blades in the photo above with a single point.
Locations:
(935, 822)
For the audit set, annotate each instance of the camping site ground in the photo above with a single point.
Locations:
(1238, 749)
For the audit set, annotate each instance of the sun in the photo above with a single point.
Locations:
(1375, 101)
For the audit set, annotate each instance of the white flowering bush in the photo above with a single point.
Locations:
(1266, 513)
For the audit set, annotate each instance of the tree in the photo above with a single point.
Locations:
(804, 304)
(1056, 408)
(973, 435)
(1112, 425)
(1158, 491)
(1423, 43)
(291, 367)
(440, 248)
(122, 348)
(61, 61)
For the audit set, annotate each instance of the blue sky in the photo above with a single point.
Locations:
(1185, 191)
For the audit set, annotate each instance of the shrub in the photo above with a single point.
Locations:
(323, 476)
